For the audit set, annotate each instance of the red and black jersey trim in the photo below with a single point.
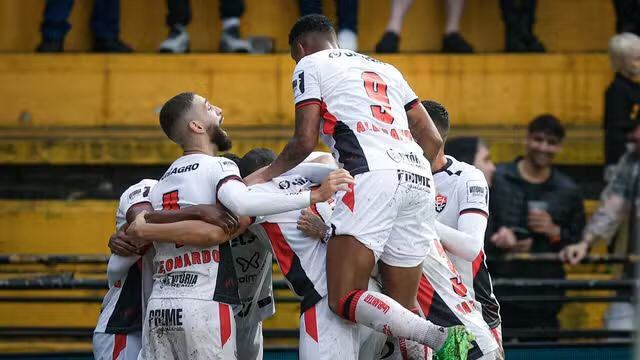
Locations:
(306, 102)
(474, 211)
(291, 267)
(127, 314)
(350, 153)
(226, 281)
(435, 309)
(484, 293)
(411, 104)
(224, 181)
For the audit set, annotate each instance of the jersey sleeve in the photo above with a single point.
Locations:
(224, 170)
(135, 194)
(473, 193)
(306, 83)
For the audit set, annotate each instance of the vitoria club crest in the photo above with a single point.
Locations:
(441, 202)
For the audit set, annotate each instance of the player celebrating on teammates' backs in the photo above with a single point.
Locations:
(369, 116)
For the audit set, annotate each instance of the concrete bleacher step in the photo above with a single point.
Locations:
(149, 146)
(127, 91)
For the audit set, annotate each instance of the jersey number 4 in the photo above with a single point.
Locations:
(170, 202)
(377, 91)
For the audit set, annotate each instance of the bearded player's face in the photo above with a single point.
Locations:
(213, 118)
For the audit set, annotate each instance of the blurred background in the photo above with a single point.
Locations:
(81, 85)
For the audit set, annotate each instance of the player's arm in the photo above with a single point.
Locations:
(465, 242)
(303, 142)
(212, 214)
(236, 196)
(423, 130)
(188, 232)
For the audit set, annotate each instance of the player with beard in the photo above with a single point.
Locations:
(189, 315)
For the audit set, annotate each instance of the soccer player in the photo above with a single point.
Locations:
(117, 335)
(462, 207)
(369, 117)
(189, 311)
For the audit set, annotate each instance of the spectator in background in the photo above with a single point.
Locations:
(519, 17)
(620, 200)
(534, 208)
(179, 16)
(627, 16)
(474, 151)
(452, 41)
(622, 99)
(105, 24)
(347, 13)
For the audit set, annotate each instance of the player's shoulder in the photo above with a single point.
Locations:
(140, 189)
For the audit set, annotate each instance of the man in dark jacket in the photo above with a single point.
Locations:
(622, 99)
(534, 208)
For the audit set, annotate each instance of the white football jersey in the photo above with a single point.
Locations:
(121, 310)
(462, 188)
(193, 272)
(364, 103)
(302, 259)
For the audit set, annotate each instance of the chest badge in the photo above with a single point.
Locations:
(441, 202)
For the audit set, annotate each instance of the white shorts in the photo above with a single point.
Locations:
(392, 213)
(324, 335)
(249, 342)
(445, 300)
(188, 329)
(116, 346)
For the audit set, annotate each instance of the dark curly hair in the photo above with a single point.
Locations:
(308, 24)
(439, 115)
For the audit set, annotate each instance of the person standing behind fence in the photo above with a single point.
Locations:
(534, 208)
(179, 16)
(105, 24)
(620, 200)
(622, 98)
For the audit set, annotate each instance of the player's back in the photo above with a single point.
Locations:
(364, 103)
(462, 188)
(190, 271)
(301, 258)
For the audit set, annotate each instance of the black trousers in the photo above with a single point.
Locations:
(347, 12)
(627, 16)
(518, 15)
(179, 11)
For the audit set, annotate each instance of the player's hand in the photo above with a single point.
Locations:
(134, 234)
(120, 246)
(573, 254)
(540, 221)
(218, 216)
(312, 225)
(504, 238)
(338, 180)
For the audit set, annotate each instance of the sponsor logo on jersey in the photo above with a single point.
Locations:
(180, 170)
(477, 192)
(188, 259)
(228, 165)
(242, 240)
(408, 177)
(165, 318)
(348, 53)
(179, 280)
(407, 158)
(441, 202)
(134, 194)
(249, 263)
